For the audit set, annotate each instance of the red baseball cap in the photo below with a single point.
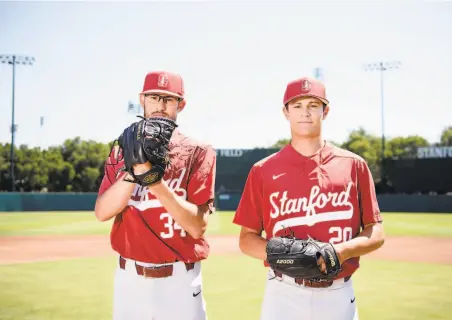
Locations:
(164, 82)
(305, 87)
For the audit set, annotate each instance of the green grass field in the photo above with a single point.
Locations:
(54, 223)
(38, 223)
(82, 288)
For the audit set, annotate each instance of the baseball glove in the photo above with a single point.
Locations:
(147, 141)
(299, 258)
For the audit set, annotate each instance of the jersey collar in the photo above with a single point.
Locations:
(320, 156)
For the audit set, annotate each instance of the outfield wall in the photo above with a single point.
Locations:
(387, 203)
(10, 201)
(415, 203)
(58, 201)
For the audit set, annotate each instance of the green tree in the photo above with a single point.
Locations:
(367, 146)
(5, 182)
(87, 159)
(60, 173)
(404, 147)
(31, 169)
(446, 136)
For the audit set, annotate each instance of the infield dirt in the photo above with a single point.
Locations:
(50, 248)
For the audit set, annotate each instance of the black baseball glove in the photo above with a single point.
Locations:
(299, 258)
(147, 141)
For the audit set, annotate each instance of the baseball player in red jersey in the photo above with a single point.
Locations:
(310, 189)
(158, 230)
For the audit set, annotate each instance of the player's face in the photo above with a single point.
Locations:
(305, 115)
(159, 105)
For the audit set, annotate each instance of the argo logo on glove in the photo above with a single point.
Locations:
(150, 178)
(285, 261)
(330, 256)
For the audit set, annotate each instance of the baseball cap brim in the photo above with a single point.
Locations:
(163, 91)
(309, 95)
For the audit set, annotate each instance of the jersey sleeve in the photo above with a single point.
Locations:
(201, 184)
(111, 169)
(249, 210)
(370, 211)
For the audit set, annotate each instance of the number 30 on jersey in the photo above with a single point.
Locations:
(170, 226)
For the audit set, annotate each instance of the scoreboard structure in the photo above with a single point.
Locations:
(234, 165)
(430, 171)
(411, 180)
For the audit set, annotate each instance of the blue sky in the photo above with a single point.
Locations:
(236, 59)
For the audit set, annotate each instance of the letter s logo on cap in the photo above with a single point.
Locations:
(163, 81)
(305, 86)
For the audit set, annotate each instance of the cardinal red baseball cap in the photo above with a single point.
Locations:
(305, 87)
(164, 82)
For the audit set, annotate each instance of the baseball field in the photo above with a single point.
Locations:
(59, 265)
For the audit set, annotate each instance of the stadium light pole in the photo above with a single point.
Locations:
(382, 67)
(13, 60)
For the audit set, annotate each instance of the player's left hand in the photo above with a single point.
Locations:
(321, 262)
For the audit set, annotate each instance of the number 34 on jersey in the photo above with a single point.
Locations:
(170, 226)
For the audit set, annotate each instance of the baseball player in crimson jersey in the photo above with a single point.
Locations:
(158, 230)
(310, 188)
